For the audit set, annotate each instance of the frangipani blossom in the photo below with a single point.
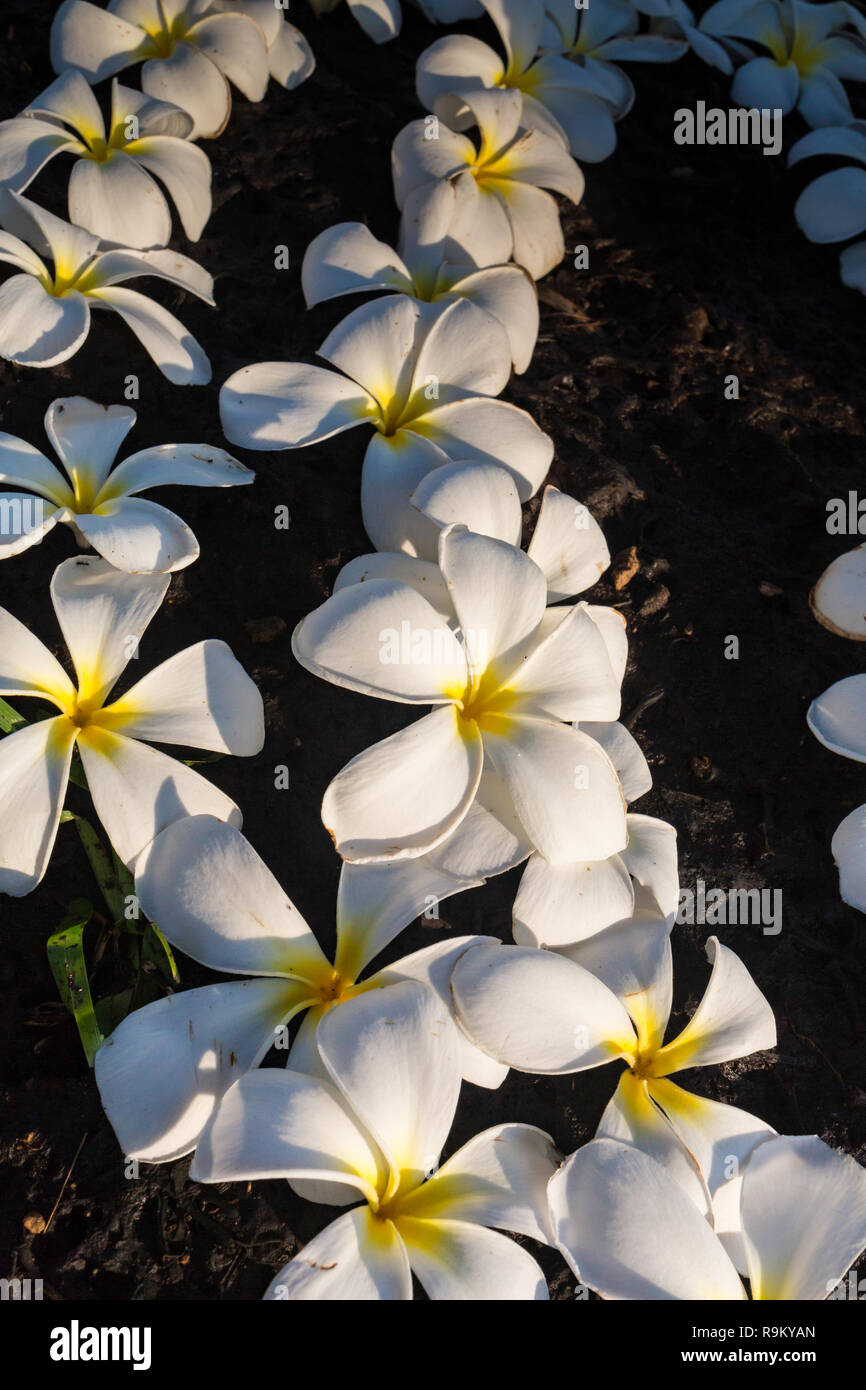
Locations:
(501, 691)
(200, 698)
(373, 1126)
(189, 50)
(98, 503)
(833, 206)
(45, 314)
(556, 904)
(347, 258)
(629, 1232)
(570, 102)
(165, 1068)
(111, 191)
(424, 387)
(809, 55)
(838, 720)
(610, 997)
(290, 58)
(708, 36)
(504, 212)
(381, 20)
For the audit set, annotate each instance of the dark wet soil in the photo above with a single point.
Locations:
(697, 271)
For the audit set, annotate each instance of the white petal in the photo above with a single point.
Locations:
(568, 675)
(376, 901)
(466, 349)
(632, 1117)
(838, 600)
(89, 38)
(380, 19)
(175, 351)
(394, 465)
(27, 667)
(102, 614)
(26, 145)
(629, 1231)
(185, 171)
(804, 1217)
(138, 536)
(418, 159)
(382, 638)
(87, 436)
(358, 1258)
(563, 787)
(499, 597)
(535, 227)
(376, 345)
(651, 858)
(833, 206)
(236, 44)
(138, 791)
(373, 810)
(482, 496)
(764, 84)
(193, 465)
(611, 625)
(71, 248)
(218, 902)
(290, 57)
(283, 405)
(538, 1012)
(488, 431)
(563, 903)
(24, 521)
(519, 28)
(347, 258)
(508, 293)
(489, 839)
(36, 328)
(34, 770)
(625, 753)
(421, 575)
(457, 1261)
(836, 718)
(823, 99)
(456, 63)
(568, 545)
(118, 201)
(633, 958)
(732, 1020)
(393, 1055)
(23, 466)
(191, 81)
(165, 1067)
(280, 1124)
(848, 848)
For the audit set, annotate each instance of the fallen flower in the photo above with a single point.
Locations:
(425, 388)
(111, 191)
(629, 1232)
(833, 206)
(504, 211)
(189, 52)
(374, 1129)
(502, 690)
(200, 698)
(610, 997)
(98, 503)
(163, 1070)
(45, 315)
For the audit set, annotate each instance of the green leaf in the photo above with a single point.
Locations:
(66, 958)
(155, 948)
(10, 719)
(114, 881)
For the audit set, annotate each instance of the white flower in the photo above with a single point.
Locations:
(837, 718)
(111, 191)
(833, 206)
(501, 691)
(629, 1232)
(838, 600)
(290, 57)
(504, 212)
(164, 1069)
(347, 258)
(100, 505)
(424, 388)
(189, 50)
(372, 1127)
(45, 314)
(201, 698)
(556, 904)
(809, 55)
(708, 36)
(610, 997)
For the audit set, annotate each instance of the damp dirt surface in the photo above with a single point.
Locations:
(696, 271)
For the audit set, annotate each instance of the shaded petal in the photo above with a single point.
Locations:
(567, 675)
(838, 718)
(732, 1020)
(535, 228)
(185, 171)
(92, 39)
(632, 1117)
(651, 858)
(27, 667)
(458, 1261)
(489, 839)
(290, 57)
(466, 349)
(848, 848)
(376, 901)
(193, 465)
(26, 145)
(482, 496)
(762, 83)
(284, 405)
(563, 903)
(118, 201)
(175, 351)
(393, 467)
(347, 258)
(421, 575)
(568, 545)
(508, 293)
(380, 19)
(456, 63)
(358, 1258)
(87, 436)
(625, 753)
(833, 206)
(376, 345)
(38, 329)
(138, 536)
(237, 46)
(34, 771)
(191, 81)
(633, 959)
(838, 600)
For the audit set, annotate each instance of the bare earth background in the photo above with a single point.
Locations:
(696, 270)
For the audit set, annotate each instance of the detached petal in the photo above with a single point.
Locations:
(34, 771)
(372, 808)
(380, 19)
(848, 848)
(833, 206)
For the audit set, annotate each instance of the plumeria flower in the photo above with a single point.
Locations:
(101, 505)
(504, 212)
(425, 389)
(374, 1130)
(111, 191)
(610, 997)
(45, 314)
(811, 51)
(629, 1232)
(347, 258)
(501, 689)
(190, 52)
(201, 698)
(381, 20)
(556, 904)
(290, 58)
(833, 206)
(165, 1068)
(708, 37)
(574, 103)
(838, 720)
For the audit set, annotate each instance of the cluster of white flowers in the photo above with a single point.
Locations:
(519, 759)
